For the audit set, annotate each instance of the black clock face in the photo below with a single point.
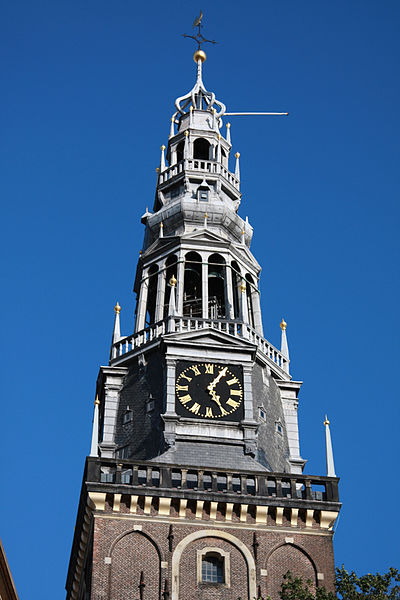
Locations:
(209, 391)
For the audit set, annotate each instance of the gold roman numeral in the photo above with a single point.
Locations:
(185, 377)
(195, 408)
(195, 370)
(223, 412)
(181, 388)
(232, 381)
(209, 412)
(185, 399)
(236, 393)
(209, 369)
(233, 403)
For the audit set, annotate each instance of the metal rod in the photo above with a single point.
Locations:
(231, 114)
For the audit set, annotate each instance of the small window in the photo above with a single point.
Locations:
(150, 405)
(123, 452)
(262, 414)
(127, 416)
(203, 195)
(279, 428)
(212, 569)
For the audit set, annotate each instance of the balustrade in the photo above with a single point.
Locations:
(201, 480)
(196, 164)
(183, 324)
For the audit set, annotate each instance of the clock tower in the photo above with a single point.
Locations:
(194, 487)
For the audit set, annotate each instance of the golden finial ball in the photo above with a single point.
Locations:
(163, 147)
(326, 422)
(237, 154)
(283, 325)
(172, 281)
(97, 401)
(117, 308)
(186, 133)
(199, 55)
(157, 169)
(228, 125)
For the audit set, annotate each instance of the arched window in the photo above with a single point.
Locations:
(236, 278)
(192, 286)
(152, 295)
(170, 269)
(216, 287)
(249, 295)
(212, 568)
(179, 151)
(201, 149)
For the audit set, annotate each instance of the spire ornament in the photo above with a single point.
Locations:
(199, 97)
(94, 450)
(330, 464)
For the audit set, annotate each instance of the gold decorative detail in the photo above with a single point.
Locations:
(191, 107)
(172, 119)
(228, 125)
(283, 325)
(140, 252)
(163, 147)
(219, 136)
(243, 287)
(97, 401)
(237, 154)
(242, 232)
(199, 55)
(161, 225)
(186, 133)
(326, 422)
(205, 215)
(172, 281)
(157, 169)
(117, 308)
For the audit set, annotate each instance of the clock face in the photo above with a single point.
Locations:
(209, 391)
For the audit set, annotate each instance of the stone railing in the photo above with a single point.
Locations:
(197, 164)
(255, 484)
(184, 324)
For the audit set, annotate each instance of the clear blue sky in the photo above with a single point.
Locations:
(87, 94)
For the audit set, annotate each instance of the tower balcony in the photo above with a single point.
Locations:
(125, 346)
(197, 165)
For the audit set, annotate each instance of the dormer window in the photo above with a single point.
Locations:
(203, 195)
(127, 416)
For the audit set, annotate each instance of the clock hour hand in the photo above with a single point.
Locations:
(216, 399)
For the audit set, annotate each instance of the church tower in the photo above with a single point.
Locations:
(194, 487)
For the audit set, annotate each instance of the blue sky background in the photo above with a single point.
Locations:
(87, 94)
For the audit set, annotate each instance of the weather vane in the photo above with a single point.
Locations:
(199, 38)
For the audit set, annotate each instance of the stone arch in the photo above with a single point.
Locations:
(134, 558)
(288, 557)
(196, 535)
(201, 149)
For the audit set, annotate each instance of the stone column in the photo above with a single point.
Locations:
(180, 276)
(244, 312)
(142, 302)
(255, 296)
(160, 293)
(204, 286)
(112, 387)
(228, 293)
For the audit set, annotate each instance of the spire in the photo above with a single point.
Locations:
(162, 162)
(284, 344)
(237, 168)
(228, 133)
(94, 451)
(172, 305)
(117, 331)
(330, 465)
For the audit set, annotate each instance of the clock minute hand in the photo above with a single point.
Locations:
(212, 385)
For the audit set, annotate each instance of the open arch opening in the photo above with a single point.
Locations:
(152, 295)
(170, 270)
(192, 285)
(201, 149)
(236, 279)
(216, 287)
(249, 297)
(179, 151)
